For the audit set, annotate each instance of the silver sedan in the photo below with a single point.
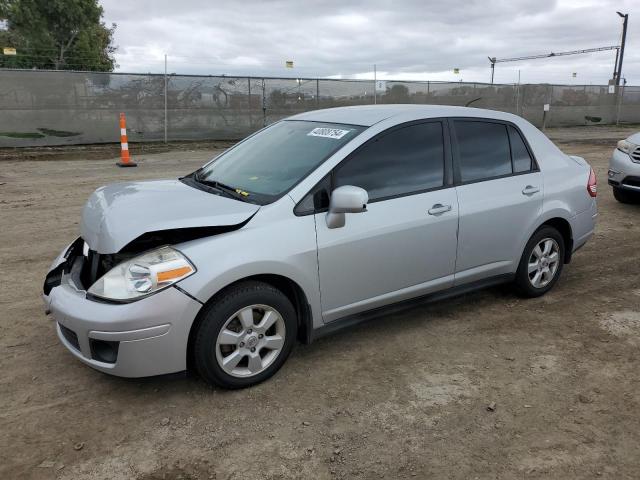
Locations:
(317, 222)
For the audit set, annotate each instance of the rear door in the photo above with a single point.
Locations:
(404, 245)
(499, 194)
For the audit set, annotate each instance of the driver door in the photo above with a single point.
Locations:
(404, 245)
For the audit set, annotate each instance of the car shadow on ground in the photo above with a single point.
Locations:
(416, 316)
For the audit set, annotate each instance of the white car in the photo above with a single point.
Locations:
(624, 170)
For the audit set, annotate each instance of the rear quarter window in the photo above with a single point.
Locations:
(522, 161)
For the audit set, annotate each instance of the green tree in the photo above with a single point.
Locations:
(57, 34)
(398, 93)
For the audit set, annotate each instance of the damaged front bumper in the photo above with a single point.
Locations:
(137, 339)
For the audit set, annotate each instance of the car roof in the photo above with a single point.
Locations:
(367, 115)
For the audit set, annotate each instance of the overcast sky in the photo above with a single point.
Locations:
(411, 40)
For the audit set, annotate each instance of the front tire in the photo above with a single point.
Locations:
(541, 262)
(245, 336)
(625, 196)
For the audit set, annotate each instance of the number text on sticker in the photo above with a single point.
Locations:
(328, 132)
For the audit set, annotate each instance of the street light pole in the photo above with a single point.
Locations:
(625, 16)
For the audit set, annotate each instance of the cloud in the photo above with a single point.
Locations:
(406, 39)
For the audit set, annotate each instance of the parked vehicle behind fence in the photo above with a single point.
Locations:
(624, 170)
(314, 223)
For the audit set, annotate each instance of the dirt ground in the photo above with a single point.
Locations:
(401, 397)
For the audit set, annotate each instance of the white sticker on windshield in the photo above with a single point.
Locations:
(328, 132)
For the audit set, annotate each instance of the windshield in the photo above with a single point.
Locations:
(271, 162)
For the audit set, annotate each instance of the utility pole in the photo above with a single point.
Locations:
(625, 17)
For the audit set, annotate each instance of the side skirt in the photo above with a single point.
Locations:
(351, 320)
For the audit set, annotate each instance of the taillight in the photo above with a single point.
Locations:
(592, 184)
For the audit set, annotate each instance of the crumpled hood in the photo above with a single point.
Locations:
(119, 213)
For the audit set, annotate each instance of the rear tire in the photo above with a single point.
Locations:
(245, 336)
(541, 262)
(625, 196)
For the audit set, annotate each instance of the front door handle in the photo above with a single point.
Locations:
(439, 209)
(530, 190)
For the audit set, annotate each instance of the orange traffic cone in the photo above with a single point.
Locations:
(125, 159)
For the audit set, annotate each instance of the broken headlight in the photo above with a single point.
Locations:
(143, 275)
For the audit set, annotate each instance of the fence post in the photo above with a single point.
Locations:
(264, 106)
(550, 100)
(620, 96)
(375, 89)
(249, 101)
(317, 93)
(165, 98)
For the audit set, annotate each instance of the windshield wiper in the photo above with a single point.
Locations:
(221, 187)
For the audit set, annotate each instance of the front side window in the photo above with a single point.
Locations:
(317, 199)
(483, 149)
(403, 161)
(270, 163)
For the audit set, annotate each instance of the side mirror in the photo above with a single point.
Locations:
(346, 199)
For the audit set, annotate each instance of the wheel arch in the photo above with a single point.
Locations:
(292, 290)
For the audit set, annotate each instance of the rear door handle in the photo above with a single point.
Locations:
(439, 209)
(530, 190)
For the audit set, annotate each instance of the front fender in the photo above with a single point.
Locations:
(285, 247)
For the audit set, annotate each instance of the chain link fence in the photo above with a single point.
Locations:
(58, 108)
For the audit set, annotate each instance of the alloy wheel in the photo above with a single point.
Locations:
(543, 262)
(250, 340)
